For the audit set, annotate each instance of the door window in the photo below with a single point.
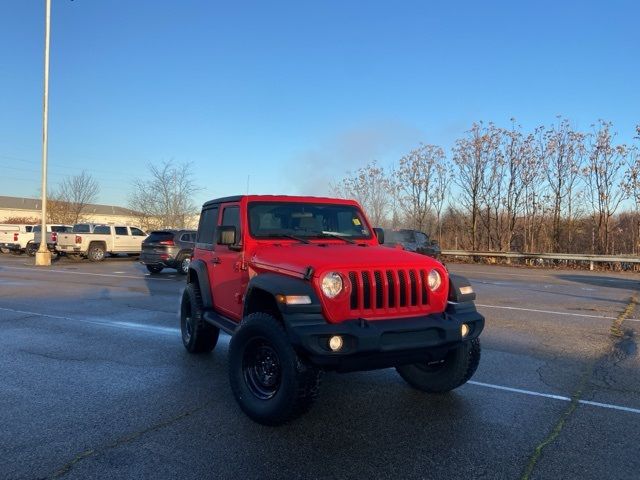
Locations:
(121, 231)
(207, 227)
(231, 218)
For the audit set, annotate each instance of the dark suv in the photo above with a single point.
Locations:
(303, 285)
(168, 248)
(413, 241)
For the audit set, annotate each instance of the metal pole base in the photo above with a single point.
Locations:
(43, 259)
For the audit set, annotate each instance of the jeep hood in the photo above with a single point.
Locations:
(297, 258)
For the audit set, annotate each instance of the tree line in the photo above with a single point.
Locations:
(552, 189)
(163, 199)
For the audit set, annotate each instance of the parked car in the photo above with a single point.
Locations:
(413, 241)
(52, 237)
(15, 238)
(303, 285)
(168, 248)
(87, 240)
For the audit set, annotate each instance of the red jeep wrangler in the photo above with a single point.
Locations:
(303, 285)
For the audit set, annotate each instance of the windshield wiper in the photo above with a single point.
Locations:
(333, 235)
(286, 235)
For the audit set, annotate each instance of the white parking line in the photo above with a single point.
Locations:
(102, 322)
(137, 277)
(550, 312)
(555, 397)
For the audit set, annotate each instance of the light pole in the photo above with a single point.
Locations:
(43, 256)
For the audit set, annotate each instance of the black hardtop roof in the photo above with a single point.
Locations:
(235, 198)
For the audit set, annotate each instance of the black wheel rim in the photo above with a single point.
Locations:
(433, 366)
(187, 322)
(261, 368)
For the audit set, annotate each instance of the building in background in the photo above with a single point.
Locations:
(12, 208)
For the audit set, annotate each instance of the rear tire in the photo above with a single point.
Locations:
(198, 336)
(31, 249)
(457, 367)
(183, 264)
(96, 253)
(154, 268)
(269, 380)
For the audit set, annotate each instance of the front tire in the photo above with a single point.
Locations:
(270, 382)
(198, 336)
(457, 367)
(96, 253)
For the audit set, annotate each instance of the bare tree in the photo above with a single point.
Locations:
(69, 201)
(470, 155)
(415, 183)
(604, 185)
(371, 188)
(165, 199)
(563, 153)
(631, 185)
(441, 188)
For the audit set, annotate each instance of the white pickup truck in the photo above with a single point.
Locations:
(15, 238)
(52, 237)
(93, 241)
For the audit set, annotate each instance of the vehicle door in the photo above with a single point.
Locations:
(122, 241)
(227, 267)
(137, 237)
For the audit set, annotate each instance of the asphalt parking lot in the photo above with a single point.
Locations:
(96, 384)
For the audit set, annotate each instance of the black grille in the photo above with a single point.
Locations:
(379, 286)
(392, 289)
(354, 290)
(404, 289)
(366, 290)
(414, 287)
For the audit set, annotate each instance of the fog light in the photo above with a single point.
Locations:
(335, 343)
(464, 330)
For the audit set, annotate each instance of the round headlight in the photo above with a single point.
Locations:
(331, 284)
(434, 279)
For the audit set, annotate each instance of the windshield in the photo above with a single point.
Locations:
(279, 219)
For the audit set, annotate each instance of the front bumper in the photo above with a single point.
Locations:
(377, 344)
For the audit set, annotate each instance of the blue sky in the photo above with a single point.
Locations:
(294, 94)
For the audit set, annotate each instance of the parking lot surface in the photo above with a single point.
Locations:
(95, 384)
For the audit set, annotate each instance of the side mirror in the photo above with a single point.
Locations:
(226, 235)
(379, 234)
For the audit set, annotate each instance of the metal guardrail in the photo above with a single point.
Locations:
(592, 259)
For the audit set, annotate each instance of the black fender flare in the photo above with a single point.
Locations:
(277, 284)
(456, 283)
(199, 267)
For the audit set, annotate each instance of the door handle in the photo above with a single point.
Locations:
(215, 260)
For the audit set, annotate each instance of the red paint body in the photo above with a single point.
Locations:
(372, 275)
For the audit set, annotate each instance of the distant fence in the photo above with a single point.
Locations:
(541, 257)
